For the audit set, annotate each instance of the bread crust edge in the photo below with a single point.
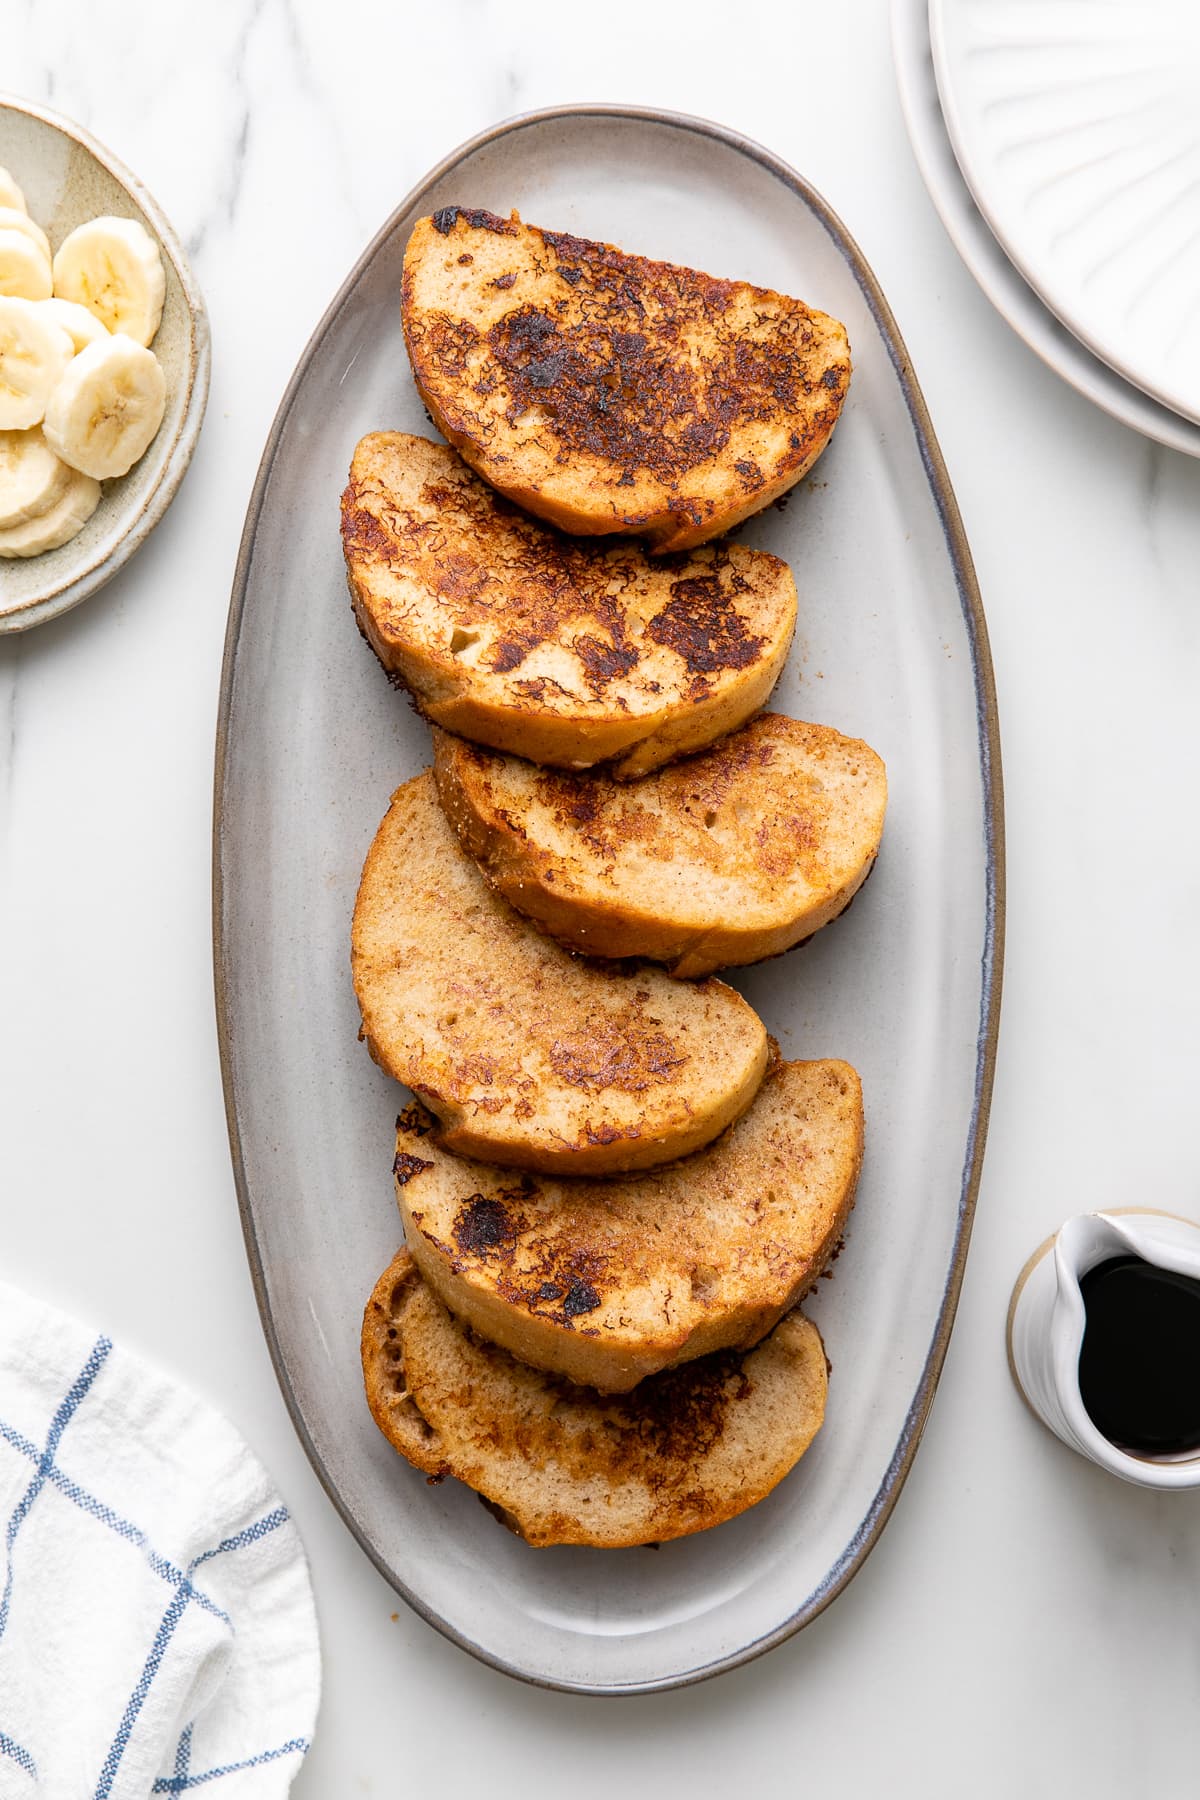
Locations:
(549, 1527)
(664, 530)
(632, 746)
(615, 1363)
(517, 869)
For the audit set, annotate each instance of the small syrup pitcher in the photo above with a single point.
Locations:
(1104, 1331)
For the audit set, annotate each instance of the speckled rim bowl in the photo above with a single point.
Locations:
(68, 177)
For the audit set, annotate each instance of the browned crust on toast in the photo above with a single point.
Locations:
(725, 857)
(559, 1465)
(607, 1282)
(511, 634)
(527, 1055)
(607, 392)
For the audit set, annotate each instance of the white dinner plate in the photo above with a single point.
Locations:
(972, 237)
(1077, 128)
(891, 646)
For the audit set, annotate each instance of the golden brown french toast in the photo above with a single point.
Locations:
(529, 1055)
(512, 634)
(609, 393)
(731, 855)
(560, 1465)
(606, 1282)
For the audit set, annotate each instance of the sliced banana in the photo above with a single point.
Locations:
(24, 267)
(10, 193)
(32, 478)
(15, 218)
(67, 516)
(112, 266)
(106, 409)
(34, 356)
(81, 326)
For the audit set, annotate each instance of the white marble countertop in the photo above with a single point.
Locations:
(1026, 1624)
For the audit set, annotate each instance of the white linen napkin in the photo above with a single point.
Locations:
(157, 1629)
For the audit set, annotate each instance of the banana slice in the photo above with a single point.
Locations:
(10, 193)
(81, 326)
(24, 268)
(68, 515)
(32, 478)
(34, 356)
(106, 409)
(15, 218)
(112, 266)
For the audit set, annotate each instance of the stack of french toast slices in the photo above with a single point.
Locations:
(613, 1191)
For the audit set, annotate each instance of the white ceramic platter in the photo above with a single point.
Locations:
(1077, 128)
(972, 237)
(891, 646)
(67, 177)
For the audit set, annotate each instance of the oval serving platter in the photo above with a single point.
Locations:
(891, 646)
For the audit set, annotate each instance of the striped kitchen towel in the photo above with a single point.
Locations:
(157, 1631)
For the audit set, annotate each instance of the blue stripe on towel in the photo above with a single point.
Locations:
(123, 1527)
(25, 1445)
(162, 1638)
(47, 1471)
(174, 1784)
(260, 1529)
(19, 1755)
(62, 1418)
(170, 1619)
(183, 1751)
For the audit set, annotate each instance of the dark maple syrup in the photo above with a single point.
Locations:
(1139, 1367)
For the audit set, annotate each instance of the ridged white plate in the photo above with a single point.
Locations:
(1076, 124)
(891, 646)
(972, 237)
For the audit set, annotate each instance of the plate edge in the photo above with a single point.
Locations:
(80, 587)
(1054, 303)
(1171, 430)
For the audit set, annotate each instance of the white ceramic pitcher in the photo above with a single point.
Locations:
(1045, 1330)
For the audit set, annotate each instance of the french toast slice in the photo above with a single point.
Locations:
(509, 633)
(609, 393)
(607, 1282)
(731, 855)
(559, 1465)
(529, 1055)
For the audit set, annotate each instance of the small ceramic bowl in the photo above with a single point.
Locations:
(67, 177)
(1046, 1323)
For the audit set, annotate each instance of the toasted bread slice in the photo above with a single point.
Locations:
(727, 857)
(607, 1282)
(528, 1055)
(609, 393)
(686, 1450)
(511, 634)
